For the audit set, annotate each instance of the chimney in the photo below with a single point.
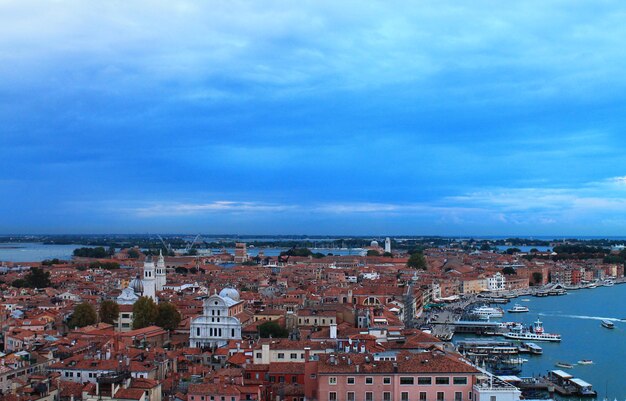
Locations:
(333, 331)
(358, 368)
(395, 367)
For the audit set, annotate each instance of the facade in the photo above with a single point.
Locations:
(219, 322)
(497, 282)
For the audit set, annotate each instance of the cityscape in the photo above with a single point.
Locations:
(206, 200)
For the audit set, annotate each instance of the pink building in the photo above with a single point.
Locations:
(394, 376)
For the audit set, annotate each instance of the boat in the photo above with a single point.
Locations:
(535, 333)
(608, 324)
(608, 283)
(531, 348)
(585, 362)
(518, 309)
(564, 365)
(487, 312)
(516, 360)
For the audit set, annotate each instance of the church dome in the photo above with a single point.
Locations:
(230, 293)
(137, 285)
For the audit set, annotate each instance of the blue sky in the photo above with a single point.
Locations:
(309, 117)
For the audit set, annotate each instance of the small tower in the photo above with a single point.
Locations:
(161, 272)
(388, 245)
(149, 279)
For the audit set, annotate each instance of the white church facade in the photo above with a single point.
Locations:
(218, 323)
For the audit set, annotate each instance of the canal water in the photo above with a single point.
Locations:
(577, 317)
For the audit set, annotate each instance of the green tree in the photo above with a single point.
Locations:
(273, 329)
(38, 278)
(109, 311)
(388, 255)
(509, 270)
(20, 283)
(511, 251)
(84, 315)
(537, 277)
(373, 252)
(133, 253)
(145, 313)
(417, 261)
(168, 316)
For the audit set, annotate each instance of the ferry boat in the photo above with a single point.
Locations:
(518, 309)
(487, 312)
(608, 324)
(535, 334)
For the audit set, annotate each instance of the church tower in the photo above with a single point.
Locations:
(149, 279)
(161, 272)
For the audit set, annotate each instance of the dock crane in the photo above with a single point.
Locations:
(167, 246)
(190, 246)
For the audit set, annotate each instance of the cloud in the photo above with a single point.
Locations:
(187, 209)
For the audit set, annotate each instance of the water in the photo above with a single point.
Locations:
(524, 248)
(35, 251)
(577, 316)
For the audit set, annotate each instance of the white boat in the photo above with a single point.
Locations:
(608, 283)
(518, 309)
(535, 334)
(608, 324)
(487, 312)
(585, 362)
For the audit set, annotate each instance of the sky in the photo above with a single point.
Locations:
(313, 117)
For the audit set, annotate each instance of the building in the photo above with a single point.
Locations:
(161, 273)
(388, 245)
(219, 322)
(149, 279)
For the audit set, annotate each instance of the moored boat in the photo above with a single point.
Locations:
(585, 362)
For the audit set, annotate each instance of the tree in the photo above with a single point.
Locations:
(168, 316)
(133, 253)
(109, 311)
(417, 261)
(534, 250)
(388, 255)
(84, 315)
(20, 283)
(272, 329)
(145, 313)
(509, 270)
(38, 278)
(373, 252)
(98, 252)
(537, 277)
(511, 251)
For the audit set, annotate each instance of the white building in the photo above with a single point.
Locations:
(496, 282)
(149, 279)
(219, 322)
(388, 244)
(161, 272)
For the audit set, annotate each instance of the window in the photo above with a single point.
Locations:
(259, 355)
(369, 396)
(386, 396)
(281, 355)
(442, 380)
(294, 379)
(350, 396)
(301, 356)
(404, 396)
(332, 380)
(469, 395)
(386, 380)
(406, 381)
(458, 396)
(492, 398)
(332, 396)
(422, 395)
(350, 380)
(425, 381)
(369, 380)
(313, 375)
(293, 356)
(459, 380)
(440, 396)
(198, 331)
